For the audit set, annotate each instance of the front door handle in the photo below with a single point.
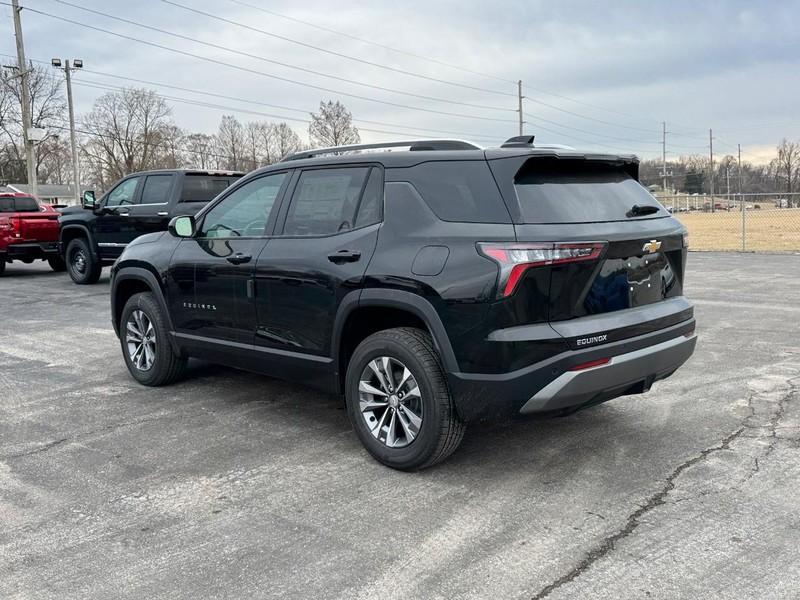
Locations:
(239, 258)
(163, 213)
(344, 256)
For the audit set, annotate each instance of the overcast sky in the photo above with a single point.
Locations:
(597, 75)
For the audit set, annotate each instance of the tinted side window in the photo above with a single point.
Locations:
(156, 189)
(123, 194)
(245, 211)
(202, 188)
(325, 201)
(462, 190)
(7, 205)
(370, 211)
(26, 204)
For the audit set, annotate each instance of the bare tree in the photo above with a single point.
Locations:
(286, 140)
(787, 163)
(48, 109)
(199, 148)
(126, 132)
(55, 160)
(230, 140)
(332, 126)
(252, 140)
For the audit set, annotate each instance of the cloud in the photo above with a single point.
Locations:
(625, 66)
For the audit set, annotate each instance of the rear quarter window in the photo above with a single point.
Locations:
(462, 191)
(19, 204)
(202, 188)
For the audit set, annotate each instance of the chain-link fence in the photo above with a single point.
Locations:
(742, 222)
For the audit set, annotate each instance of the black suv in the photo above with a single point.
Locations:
(431, 286)
(95, 234)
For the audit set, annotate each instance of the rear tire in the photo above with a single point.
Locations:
(81, 264)
(2, 265)
(57, 264)
(407, 420)
(144, 338)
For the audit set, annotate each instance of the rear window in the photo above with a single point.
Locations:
(20, 204)
(202, 188)
(462, 190)
(561, 191)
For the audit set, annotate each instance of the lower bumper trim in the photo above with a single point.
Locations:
(645, 365)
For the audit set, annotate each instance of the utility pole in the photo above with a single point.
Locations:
(519, 108)
(22, 65)
(664, 157)
(76, 64)
(711, 167)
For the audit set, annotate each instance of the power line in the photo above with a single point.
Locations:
(371, 43)
(108, 87)
(261, 73)
(277, 62)
(427, 58)
(269, 115)
(332, 52)
(574, 114)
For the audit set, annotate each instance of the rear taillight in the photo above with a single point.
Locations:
(515, 259)
(16, 225)
(685, 239)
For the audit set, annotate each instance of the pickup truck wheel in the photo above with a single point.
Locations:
(57, 264)
(398, 400)
(145, 344)
(2, 264)
(82, 267)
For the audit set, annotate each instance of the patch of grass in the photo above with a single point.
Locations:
(767, 230)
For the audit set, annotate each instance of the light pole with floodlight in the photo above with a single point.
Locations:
(67, 68)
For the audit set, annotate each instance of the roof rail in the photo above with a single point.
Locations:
(414, 145)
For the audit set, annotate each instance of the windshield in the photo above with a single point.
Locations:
(560, 191)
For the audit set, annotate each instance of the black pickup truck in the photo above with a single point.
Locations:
(95, 234)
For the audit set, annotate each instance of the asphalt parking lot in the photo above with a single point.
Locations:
(232, 485)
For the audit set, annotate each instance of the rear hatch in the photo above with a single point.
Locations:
(613, 247)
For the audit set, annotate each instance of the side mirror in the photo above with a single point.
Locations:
(88, 201)
(182, 227)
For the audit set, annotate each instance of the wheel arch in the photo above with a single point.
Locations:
(71, 232)
(133, 280)
(361, 315)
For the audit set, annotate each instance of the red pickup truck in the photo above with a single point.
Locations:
(28, 231)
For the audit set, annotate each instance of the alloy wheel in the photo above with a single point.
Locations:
(140, 338)
(390, 402)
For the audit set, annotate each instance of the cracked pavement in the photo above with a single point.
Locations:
(231, 485)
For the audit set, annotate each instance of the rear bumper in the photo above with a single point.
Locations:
(550, 386)
(31, 250)
(625, 373)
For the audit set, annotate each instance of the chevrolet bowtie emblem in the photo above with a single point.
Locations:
(651, 246)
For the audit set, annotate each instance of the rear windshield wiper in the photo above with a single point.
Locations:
(638, 210)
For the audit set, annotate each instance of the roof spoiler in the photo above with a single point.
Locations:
(519, 141)
(417, 145)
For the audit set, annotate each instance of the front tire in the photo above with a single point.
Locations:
(2, 264)
(57, 264)
(398, 400)
(144, 337)
(82, 266)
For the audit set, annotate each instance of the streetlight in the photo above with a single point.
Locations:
(76, 64)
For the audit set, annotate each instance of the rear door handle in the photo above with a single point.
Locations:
(239, 258)
(163, 213)
(344, 256)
